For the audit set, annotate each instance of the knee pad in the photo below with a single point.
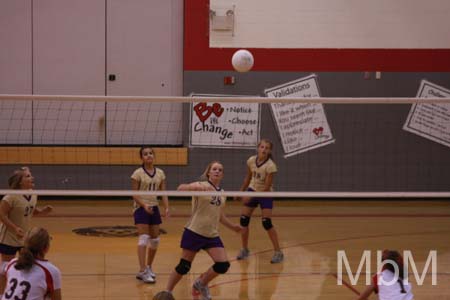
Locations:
(153, 243)
(244, 221)
(221, 267)
(143, 239)
(183, 267)
(267, 223)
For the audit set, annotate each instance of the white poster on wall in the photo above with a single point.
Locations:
(223, 125)
(430, 120)
(301, 126)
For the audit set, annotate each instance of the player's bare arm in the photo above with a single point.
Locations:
(165, 199)
(5, 208)
(194, 186)
(227, 223)
(366, 293)
(245, 184)
(42, 211)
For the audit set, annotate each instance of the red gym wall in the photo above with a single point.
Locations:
(199, 57)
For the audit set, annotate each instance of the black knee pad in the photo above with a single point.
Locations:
(221, 267)
(267, 223)
(183, 267)
(244, 221)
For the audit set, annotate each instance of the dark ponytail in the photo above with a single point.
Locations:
(395, 258)
(37, 241)
(25, 260)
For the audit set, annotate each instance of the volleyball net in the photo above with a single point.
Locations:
(323, 147)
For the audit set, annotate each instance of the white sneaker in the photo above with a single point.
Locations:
(201, 289)
(140, 275)
(145, 277)
(243, 254)
(277, 257)
(149, 270)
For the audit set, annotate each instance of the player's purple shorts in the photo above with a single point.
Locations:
(194, 241)
(142, 217)
(263, 202)
(9, 250)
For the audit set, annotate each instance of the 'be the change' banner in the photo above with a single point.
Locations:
(224, 124)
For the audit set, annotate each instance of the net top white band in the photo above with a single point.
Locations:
(328, 100)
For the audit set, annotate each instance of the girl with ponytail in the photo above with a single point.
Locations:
(390, 283)
(31, 276)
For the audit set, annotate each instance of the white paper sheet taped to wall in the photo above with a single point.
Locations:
(430, 120)
(301, 126)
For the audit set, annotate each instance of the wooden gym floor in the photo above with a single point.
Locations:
(311, 233)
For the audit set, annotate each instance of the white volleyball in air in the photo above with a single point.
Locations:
(242, 60)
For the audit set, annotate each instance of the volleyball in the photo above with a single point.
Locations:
(163, 295)
(242, 60)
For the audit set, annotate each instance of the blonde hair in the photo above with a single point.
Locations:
(204, 175)
(16, 178)
(37, 241)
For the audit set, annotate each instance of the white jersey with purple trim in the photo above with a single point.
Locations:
(22, 208)
(148, 182)
(259, 172)
(206, 212)
(388, 288)
(35, 284)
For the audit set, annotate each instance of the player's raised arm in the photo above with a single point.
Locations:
(194, 186)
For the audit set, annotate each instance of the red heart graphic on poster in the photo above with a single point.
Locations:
(217, 109)
(202, 111)
(318, 131)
